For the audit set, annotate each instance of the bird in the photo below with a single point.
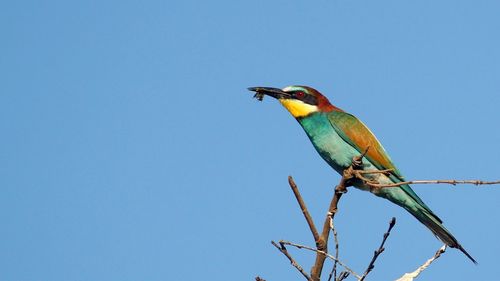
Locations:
(338, 137)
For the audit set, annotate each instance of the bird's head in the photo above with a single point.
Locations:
(300, 101)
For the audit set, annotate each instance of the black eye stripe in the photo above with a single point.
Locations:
(310, 99)
(305, 97)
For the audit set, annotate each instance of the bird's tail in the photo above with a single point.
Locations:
(408, 199)
(429, 219)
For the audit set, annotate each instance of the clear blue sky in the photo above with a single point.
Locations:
(130, 148)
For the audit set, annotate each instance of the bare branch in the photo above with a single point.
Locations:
(413, 275)
(379, 250)
(353, 172)
(322, 240)
(323, 253)
(303, 207)
(284, 251)
(340, 189)
(322, 243)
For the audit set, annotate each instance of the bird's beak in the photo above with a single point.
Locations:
(272, 92)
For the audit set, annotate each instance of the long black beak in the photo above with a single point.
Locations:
(272, 92)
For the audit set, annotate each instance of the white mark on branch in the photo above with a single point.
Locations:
(413, 275)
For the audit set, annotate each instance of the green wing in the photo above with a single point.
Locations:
(355, 133)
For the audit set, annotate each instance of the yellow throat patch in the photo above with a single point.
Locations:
(298, 108)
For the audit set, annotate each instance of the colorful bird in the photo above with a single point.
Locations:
(339, 136)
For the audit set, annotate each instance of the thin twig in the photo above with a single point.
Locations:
(343, 275)
(284, 251)
(358, 174)
(380, 249)
(333, 273)
(413, 275)
(323, 253)
(452, 182)
(303, 207)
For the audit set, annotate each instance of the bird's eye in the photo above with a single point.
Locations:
(300, 95)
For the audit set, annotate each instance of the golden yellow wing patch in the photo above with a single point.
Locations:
(360, 137)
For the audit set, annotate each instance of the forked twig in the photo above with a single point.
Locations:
(340, 189)
(379, 251)
(321, 240)
(281, 247)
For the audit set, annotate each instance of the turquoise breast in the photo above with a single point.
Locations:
(332, 148)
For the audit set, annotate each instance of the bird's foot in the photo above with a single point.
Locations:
(357, 162)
